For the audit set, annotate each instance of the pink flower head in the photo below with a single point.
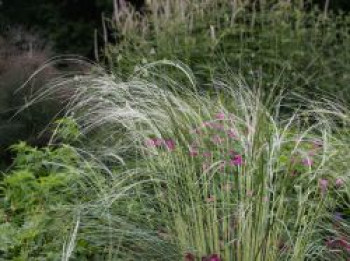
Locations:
(157, 142)
(237, 160)
(323, 183)
(220, 116)
(154, 142)
(150, 143)
(339, 182)
(170, 144)
(307, 162)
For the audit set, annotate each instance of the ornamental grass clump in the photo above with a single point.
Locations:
(221, 177)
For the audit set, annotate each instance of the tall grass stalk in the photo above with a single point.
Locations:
(221, 174)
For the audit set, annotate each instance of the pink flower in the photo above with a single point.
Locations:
(323, 183)
(157, 142)
(154, 142)
(339, 182)
(220, 116)
(237, 160)
(307, 162)
(150, 143)
(170, 144)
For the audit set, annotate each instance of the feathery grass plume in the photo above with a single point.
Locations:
(222, 175)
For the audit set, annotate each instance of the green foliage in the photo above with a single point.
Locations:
(33, 223)
(278, 45)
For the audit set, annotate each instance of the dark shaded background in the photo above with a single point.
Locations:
(69, 24)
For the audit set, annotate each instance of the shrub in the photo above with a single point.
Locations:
(222, 176)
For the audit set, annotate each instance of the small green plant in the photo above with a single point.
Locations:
(32, 220)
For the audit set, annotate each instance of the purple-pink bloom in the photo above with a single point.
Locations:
(157, 142)
(220, 116)
(170, 144)
(150, 143)
(237, 160)
(339, 182)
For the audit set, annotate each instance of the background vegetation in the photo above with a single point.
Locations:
(214, 130)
